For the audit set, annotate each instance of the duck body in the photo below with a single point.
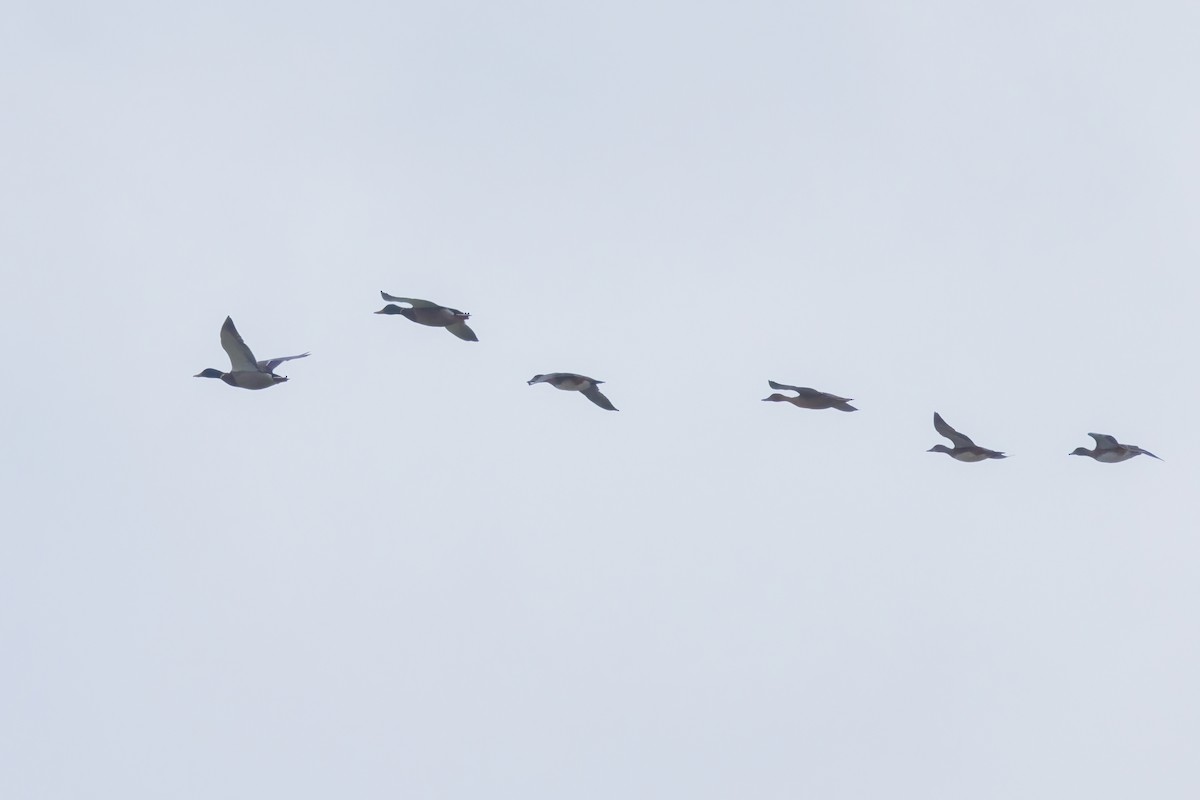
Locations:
(966, 454)
(964, 449)
(244, 380)
(245, 372)
(1110, 451)
(572, 382)
(439, 317)
(426, 312)
(809, 398)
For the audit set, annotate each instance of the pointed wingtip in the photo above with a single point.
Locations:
(462, 331)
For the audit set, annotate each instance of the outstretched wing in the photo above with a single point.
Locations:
(240, 357)
(783, 386)
(1104, 441)
(270, 364)
(599, 399)
(461, 330)
(813, 394)
(954, 436)
(412, 301)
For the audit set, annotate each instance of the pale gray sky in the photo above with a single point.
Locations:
(407, 574)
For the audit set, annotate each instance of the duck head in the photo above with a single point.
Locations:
(776, 398)
(210, 373)
(392, 308)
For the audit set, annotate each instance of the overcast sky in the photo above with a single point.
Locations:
(406, 574)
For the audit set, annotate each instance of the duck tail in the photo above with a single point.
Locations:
(844, 406)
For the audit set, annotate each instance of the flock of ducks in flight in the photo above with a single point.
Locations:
(247, 373)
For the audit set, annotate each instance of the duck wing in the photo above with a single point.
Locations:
(784, 386)
(1137, 449)
(814, 394)
(1105, 442)
(599, 399)
(412, 301)
(240, 357)
(271, 363)
(954, 436)
(463, 332)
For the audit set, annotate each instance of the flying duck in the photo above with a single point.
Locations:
(964, 449)
(569, 381)
(425, 312)
(245, 372)
(1110, 451)
(809, 398)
